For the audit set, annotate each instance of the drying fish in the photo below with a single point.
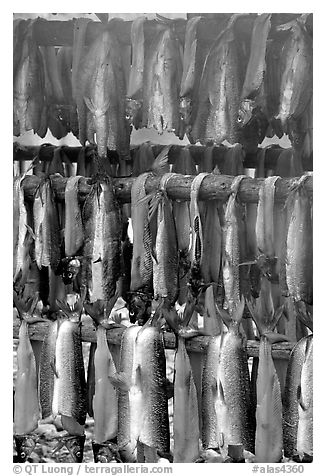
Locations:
(105, 401)
(165, 254)
(256, 68)
(296, 71)
(46, 227)
(78, 50)
(142, 264)
(90, 383)
(73, 220)
(101, 90)
(290, 399)
(269, 436)
(219, 93)
(181, 211)
(305, 407)
(69, 395)
(46, 374)
(233, 406)
(231, 249)
(151, 372)
(164, 77)
(189, 57)
(19, 226)
(102, 240)
(197, 240)
(24, 445)
(129, 396)
(265, 229)
(185, 409)
(209, 429)
(299, 245)
(28, 88)
(27, 409)
(135, 86)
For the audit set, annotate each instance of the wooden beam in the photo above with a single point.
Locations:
(60, 33)
(199, 344)
(214, 187)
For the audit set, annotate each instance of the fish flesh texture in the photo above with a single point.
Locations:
(46, 372)
(219, 94)
(74, 235)
(233, 402)
(296, 72)
(231, 249)
(163, 72)
(209, 429)
(19, 226)
(256, 69)
(105, 401)
(185, 409)
(28, 87)
(299, 268)
(102, 240)
(290, 399)
(26, 409)
(269, 437)
(150, 367)
(69, 395)
(305, 405)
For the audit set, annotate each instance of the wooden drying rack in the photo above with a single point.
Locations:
(60, 33)
(37, 332)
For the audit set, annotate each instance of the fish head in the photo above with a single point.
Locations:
(140, 307)
(69, 268)
(132, 110)
(245, 112)
(185, 108)
(25, 444)
(106, 453)
(75, 446)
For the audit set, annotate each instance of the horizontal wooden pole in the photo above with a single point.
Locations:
(214, 187)
(60, 33)
(195, 344)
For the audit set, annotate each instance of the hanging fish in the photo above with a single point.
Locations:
(185, 409)
(129, 396)
(256, 68)
(141, 285)
(266, 259)
(26, 409)
(233, 405)
(28, 88)
(185, 165)
(74, 235)
(299, 245)
(19, 226)
(290, 399)
(46, 371)
(231, 249)
(296, 71)
(163, 71)
(46, 227)
(105, 400)
(305, 407)
(69, 395)
(150, 368)
(165, 255)
(209, 428)
(269, 435)
(219, 93)
(102, 241)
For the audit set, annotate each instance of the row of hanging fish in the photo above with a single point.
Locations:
(190, 253)
(127, 392)
(226, 90)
